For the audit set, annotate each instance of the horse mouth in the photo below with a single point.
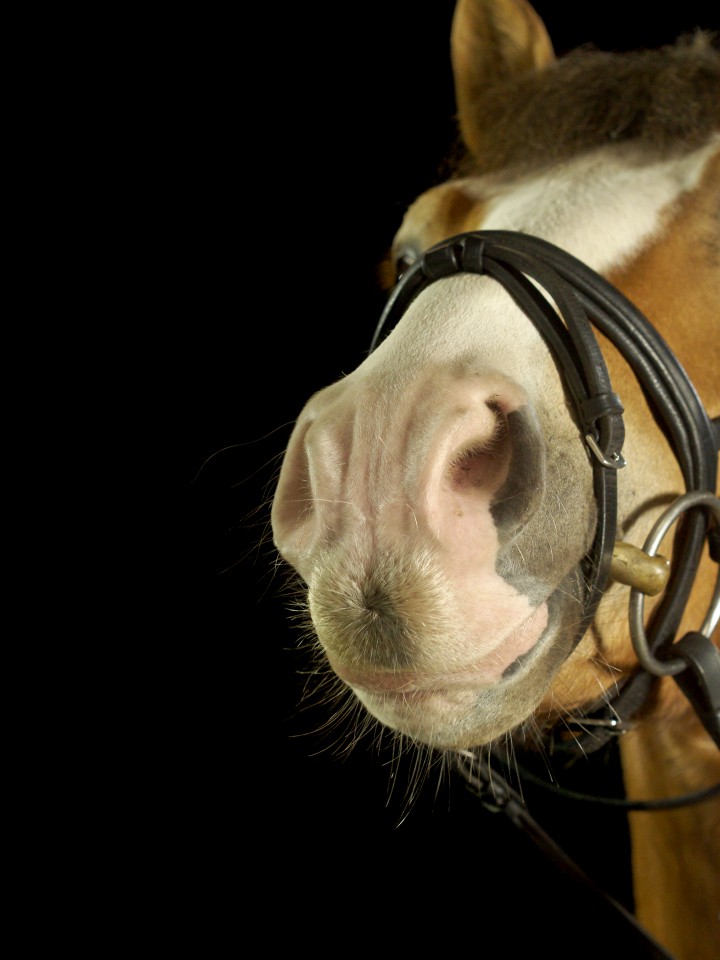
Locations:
(502, 663)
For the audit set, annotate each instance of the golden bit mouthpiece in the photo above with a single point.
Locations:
(634, 567)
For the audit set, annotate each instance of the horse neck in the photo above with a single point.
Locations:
(675, 853)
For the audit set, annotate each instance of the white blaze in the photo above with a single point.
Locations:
(600, 207)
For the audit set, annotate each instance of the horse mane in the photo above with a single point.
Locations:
(667, 101)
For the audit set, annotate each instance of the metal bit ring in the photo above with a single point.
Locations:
(664, 668)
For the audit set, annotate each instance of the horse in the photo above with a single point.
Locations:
(505, 520)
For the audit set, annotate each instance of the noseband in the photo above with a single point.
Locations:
(521, 264)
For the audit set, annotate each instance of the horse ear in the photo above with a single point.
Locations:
(492, 40)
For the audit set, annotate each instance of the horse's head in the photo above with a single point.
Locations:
(439, 502)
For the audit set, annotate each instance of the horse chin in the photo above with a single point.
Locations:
(468, 708)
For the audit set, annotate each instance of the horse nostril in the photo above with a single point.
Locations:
(522, 490)
(481, 464)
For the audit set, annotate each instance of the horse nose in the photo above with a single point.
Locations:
(384, 469)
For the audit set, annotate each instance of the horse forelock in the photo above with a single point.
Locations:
(666, 101)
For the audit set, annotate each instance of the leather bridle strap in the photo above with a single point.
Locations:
(676, 405)
(519, 262)
(694, 439)
(566, 328)
(497, 796)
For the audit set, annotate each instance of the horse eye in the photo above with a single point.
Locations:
(403, 262)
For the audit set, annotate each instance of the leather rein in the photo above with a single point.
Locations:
(521, 263)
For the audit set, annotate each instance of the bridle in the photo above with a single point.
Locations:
(581, 297)
(522, 264)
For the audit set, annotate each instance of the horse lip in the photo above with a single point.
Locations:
(394, 683)
(388, 681)
(485, 672)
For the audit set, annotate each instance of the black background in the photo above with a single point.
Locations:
(298, 136)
